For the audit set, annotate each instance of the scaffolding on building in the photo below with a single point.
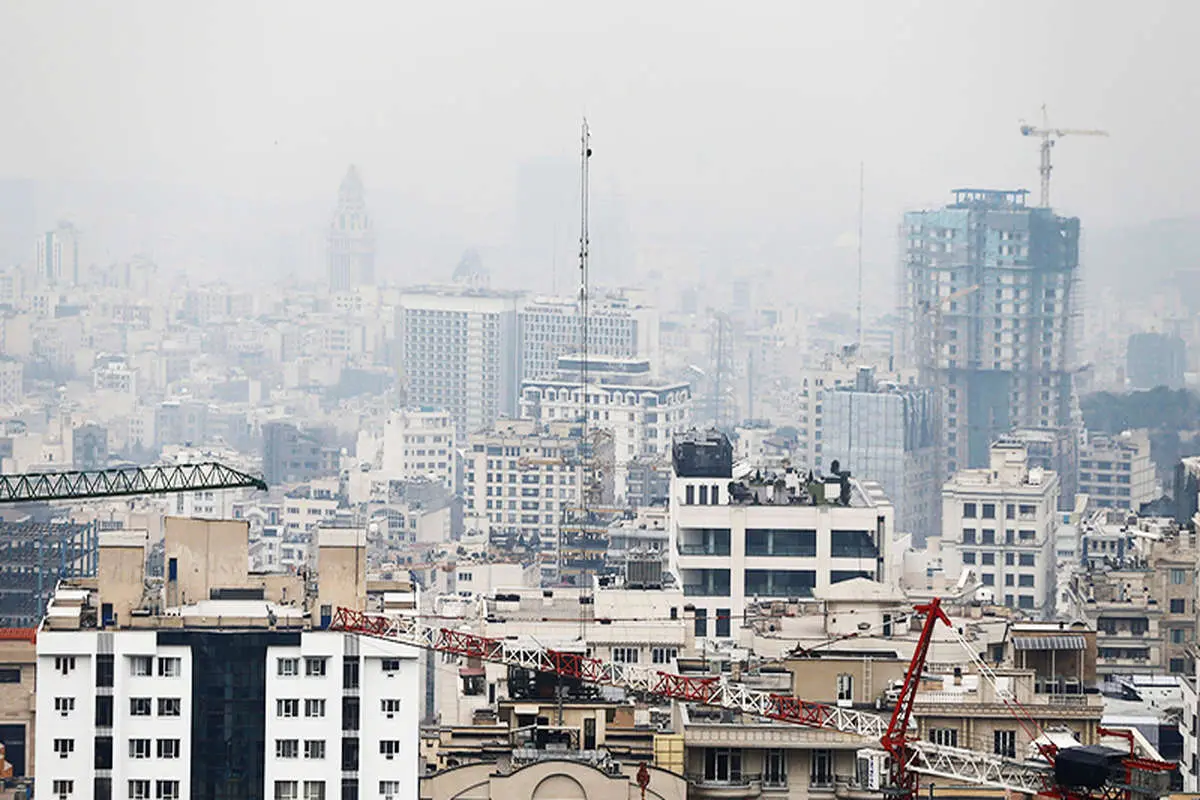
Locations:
(34, 557)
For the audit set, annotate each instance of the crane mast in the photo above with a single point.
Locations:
(1049, 136)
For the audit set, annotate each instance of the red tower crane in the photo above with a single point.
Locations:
(1095, 773)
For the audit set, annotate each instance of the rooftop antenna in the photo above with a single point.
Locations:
(584, 244)
(858, 336)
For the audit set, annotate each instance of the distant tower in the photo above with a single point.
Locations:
(58, 256)
(351, 250)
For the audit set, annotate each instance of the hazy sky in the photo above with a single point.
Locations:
(737, 126)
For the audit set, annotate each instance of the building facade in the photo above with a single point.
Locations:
(756, 536)
(350, 254)
(520, 479)
(1155, 359)
(623, 396)
(551, 327)
(58, 256)
(418, 442)
(459, 353)
(136, 694)
(889, 434)
(1116, 471)
(1000, 524)
(988, 288)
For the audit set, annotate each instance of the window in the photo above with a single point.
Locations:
(287, 748)
(390, 707)
(968, 558)
(287, 708)
(169, 706)
(64, 747)
(1178, 605)
(1010, 511)
(989, 536)
(168, 748)
(314, 748)
(1025, 601)
(288, 667)
(388, 748)
(1004, 743)
(723, 764)
(170, 667)
(968, 511)
(723, 615)
(704, 495)
(1009, 558)
(140, 707)
(989, 510)
(625, 655)
(389, 789)
(391, 665)
(821, 771)
(349, 788)
(141, 666)
(1025, 581)
(61, 789)
(968, 536)
(10, 674)
(104, 711)
(701, 622)
(1026, 559)
(287, 790)
(944, 737)
(139, 748)
(988, 579)
(845, 688)
(139, 789)
(1178, 576)
(689, 495)
(314, 790)
(166, 790)
(1177, 666)
(774, 767)
(314, 708)
(989, 559)
(64, 705)
(315, 667)
(104, 670)
(663, 655)
(350, 676)
(64, 664)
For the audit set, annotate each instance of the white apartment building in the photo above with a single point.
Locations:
(520, 478)
(737, 538)
(1000, 523)
(1116, 471)
(417, 443)
(115, 374)
(459, 352)
(237, 692)
(551, 327)
(623, 396)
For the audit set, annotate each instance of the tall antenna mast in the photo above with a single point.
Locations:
(858, 338)
(584, 243)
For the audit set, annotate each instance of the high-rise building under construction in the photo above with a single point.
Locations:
(989, 286)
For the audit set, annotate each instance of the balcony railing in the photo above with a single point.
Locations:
(702, 549)
(738, 781)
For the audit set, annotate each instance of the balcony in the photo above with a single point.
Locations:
(742, 785)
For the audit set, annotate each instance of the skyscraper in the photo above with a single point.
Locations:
(58, 256)
(989, 289)
(351, 249)
(459, 352)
